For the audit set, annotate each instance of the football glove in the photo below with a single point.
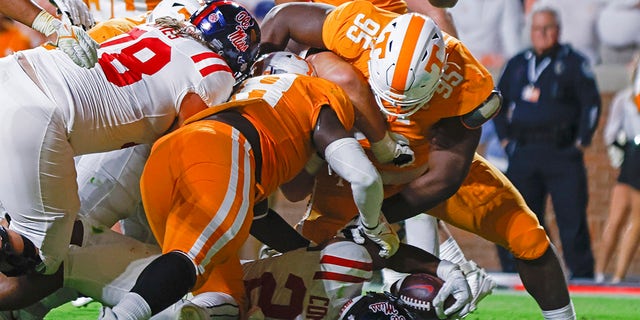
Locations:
(77, 12)
(72, 40)
(455, 284)
(393, 148)
(382, 234)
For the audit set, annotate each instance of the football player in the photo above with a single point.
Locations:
(431, 8)
(81, 273)
(143, 86)
(312, 282)
(203, 182)
(431, 90)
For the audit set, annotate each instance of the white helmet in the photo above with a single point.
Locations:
(282, 62)
(178, 9)
(406, 63)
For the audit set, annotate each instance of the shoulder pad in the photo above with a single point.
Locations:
(484, 112)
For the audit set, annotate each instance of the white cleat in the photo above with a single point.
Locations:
(480, 282)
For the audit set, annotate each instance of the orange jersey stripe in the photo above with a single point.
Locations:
(406, 55)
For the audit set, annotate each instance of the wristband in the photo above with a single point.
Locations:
(44, 23)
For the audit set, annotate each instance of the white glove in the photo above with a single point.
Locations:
(77, 12)
(394, 148)
(455, 284)
(72, 40)
(383, 235)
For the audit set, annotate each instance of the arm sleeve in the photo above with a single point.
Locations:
(348, 160)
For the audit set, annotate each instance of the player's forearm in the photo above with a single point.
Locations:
(441, 16)
(23, 11)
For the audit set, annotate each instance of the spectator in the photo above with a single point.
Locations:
(580, 19)
(491, 29)
(618, 27)
(12, 39)
(550, 111)
(624, 207)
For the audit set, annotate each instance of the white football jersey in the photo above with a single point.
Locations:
(308, 283)
(132, 96)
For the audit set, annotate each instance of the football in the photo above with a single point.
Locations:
(417, 291)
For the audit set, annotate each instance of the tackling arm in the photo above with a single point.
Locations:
(23, 11)
(299, 21)
(440, 15)
(452, 150)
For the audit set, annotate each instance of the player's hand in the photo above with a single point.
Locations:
(402, 155)
(456, 285)
(72, 40)
(383, 235)
(77, 11)
(393, 148)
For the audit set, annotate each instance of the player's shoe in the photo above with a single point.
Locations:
(183, 309)
(81, 302)
(480, 282)
(267, 252)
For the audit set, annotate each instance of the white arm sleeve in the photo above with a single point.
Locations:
(347, 159)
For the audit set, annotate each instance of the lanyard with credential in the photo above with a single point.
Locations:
(535, 71)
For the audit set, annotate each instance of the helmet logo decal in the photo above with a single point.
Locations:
(215, 17)
(435, 61)
(386, 308)
(239, 37)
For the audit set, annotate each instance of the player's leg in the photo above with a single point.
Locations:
(630, 238)
(619, 205)
(500, 215)
(109, 183)
(200, 215)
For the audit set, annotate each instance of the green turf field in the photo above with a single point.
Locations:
(506, 305)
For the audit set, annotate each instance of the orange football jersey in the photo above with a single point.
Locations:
(350, 30)
(398, 6)
(284, 109)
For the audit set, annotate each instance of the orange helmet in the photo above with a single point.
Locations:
(406, 63)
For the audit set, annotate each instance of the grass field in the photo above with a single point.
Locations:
(507, 305)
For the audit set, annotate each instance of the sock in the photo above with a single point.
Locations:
(422, 232)
(449, 250)
(564, 313)
(132, 307)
